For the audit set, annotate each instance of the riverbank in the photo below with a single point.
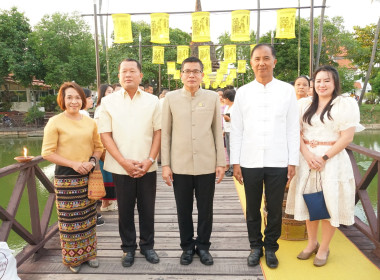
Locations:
(22, 132)
(39, 131)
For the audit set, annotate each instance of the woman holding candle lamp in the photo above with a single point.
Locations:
(72, 142)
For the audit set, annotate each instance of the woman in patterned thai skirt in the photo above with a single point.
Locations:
(72, 142)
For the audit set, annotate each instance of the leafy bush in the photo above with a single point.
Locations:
(5, 106)
(49, 102)
(35, 116)
(371, 97)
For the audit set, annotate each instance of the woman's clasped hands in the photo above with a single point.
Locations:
(315, 162)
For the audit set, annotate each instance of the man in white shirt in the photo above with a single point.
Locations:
(264, 149)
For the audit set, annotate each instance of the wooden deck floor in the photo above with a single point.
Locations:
(229, 248)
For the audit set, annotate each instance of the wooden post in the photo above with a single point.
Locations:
(159, 77)
(169, 82)
(311, 56)
(258, 22)
(299, 39)
(320, 34)
(140, 51)
(97, 50)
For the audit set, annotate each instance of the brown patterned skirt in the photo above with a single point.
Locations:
(76, 217)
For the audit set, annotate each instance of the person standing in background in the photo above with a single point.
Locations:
(89, 102)
(109, 202)
(302, 87)
(229, 97)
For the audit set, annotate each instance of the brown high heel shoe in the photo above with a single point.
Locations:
(305, 256)
(321, 262)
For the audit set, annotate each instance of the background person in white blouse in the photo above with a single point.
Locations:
(265, 143)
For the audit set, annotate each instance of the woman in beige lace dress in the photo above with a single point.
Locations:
(328, 123)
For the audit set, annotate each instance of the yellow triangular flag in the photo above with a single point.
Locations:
(171, 67)
(122, 28)
(241, 66)
(201, 27)
(230, 53)
(286, 24)
(159, 28)
(182, 53)
(204, 53)
(177, 75)
(240, 25)
(158, 55)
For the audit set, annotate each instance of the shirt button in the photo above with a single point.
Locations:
(193, 124)
(194, 153)
(193, 138)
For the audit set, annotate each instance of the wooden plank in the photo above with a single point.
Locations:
(87, 276)
(231, 219)
(368, 210)
(19, 166)
(44, 180)
(169, 243)
(33, 207)
(167, 266)
(230, 246)
(162, 253)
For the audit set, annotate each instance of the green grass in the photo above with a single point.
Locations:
(370, 113)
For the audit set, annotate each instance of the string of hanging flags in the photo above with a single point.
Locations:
(240, 22)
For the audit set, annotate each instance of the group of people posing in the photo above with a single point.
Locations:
(272, 141)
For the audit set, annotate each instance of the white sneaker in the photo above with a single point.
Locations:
(111, 207)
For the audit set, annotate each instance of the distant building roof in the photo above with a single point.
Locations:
(35, 82)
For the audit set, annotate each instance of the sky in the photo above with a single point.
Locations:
(354, 12)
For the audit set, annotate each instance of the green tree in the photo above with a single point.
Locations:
(120, 51)
(65, 46)
(287, 53)
(375, 82)
(346, 79)
(16, 56)
(334, 41)
(361, 48)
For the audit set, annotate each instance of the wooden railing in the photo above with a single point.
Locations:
(372, 230)
(41, 232)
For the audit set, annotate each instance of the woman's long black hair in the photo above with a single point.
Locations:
(314, 104)
(102, 93)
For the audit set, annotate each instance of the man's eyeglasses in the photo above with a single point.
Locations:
(188, 72)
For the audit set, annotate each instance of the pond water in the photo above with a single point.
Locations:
(11, 147)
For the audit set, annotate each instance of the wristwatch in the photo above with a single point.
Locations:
(152, 160)
(325, 157)
(93, 163)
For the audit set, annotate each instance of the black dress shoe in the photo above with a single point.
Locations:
(205, 257)
(128, 258)
(187, 257)
(271, 259)
(150, 255)
(254, 257)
